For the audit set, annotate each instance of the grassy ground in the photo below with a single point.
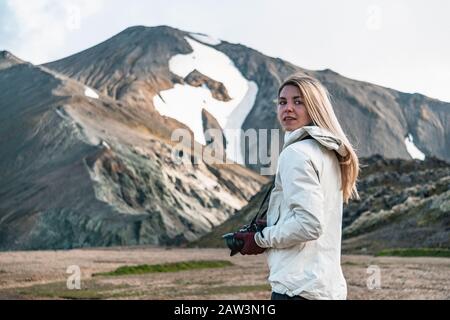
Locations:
(415, 252)
(166, 267)
(90, 290)
(158, 273)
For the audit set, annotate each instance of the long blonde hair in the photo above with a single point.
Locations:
(317, 102)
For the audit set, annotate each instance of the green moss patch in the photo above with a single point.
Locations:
(167, 267)
(416, 252)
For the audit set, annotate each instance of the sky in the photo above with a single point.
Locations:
(400, 44)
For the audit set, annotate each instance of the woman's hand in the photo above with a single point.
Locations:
(250, 247)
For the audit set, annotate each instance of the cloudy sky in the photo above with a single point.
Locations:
(402, 44)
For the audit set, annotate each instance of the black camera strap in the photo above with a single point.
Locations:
(262, 204)
(269, 191)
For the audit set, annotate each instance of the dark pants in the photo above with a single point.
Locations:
(278, 296)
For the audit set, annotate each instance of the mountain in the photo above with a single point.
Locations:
(151, 68)
(87, 148)
(8, 60)
(404, 204)
(80, 168)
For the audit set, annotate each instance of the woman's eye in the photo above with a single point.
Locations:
(298, 102)
(281, 103)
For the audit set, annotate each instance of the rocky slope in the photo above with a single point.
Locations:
(404, 204)
(79, 168)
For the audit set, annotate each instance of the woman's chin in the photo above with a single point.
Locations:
(290, 127)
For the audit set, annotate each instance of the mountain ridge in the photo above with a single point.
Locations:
(89, 159)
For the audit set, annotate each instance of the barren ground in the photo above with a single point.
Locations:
(42, 275)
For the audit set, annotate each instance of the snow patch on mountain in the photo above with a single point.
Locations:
(106, 145)
(185, 103)
(413, 151)
(205, 39)
(88, 92)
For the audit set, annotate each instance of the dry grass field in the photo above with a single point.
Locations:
(42, 275)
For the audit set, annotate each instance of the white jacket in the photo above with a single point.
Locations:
(304, 218)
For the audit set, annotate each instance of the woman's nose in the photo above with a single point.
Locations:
(289, 106)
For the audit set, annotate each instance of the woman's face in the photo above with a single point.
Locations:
(292, 112)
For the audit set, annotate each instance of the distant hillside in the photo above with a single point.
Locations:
(404, 204)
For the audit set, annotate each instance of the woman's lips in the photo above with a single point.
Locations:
(289, 118)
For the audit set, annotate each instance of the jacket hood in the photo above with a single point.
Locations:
(321, 135)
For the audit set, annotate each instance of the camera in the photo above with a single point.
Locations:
(236, 245)
(256, 225)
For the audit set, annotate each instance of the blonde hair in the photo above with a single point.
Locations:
(317, 102)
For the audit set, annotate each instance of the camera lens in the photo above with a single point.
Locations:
(235, 245)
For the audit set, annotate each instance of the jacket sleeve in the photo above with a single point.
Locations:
(304, 196)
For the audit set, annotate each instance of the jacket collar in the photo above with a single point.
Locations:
(321, 135)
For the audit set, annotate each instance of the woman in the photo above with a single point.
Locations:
(317, 172)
